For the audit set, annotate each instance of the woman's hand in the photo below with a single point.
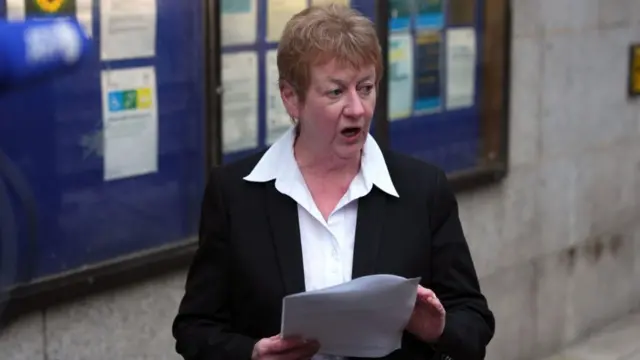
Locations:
(278, 348)
(428, 317)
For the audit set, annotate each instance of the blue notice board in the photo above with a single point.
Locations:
(261, 128)
(52, 132)
(433, 110)
(434, 81)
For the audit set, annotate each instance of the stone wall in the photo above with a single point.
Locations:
(557, 245)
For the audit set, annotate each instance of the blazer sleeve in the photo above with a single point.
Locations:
(202, 325)
(470, 324)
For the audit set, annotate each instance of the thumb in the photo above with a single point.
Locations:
(425, 294)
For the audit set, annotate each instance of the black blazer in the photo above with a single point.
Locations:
(249, 258)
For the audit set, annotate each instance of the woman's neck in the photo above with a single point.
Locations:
(325, 164)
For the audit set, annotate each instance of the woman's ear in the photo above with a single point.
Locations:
(290, 100)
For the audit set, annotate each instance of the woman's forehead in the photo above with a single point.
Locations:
(335, 70)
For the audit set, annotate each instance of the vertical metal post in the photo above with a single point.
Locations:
(381, 121)
(213, 90)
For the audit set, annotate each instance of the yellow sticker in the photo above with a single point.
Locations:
(50, 6)
(144, 98)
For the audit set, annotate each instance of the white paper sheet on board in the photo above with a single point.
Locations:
(127, 29)
(279, 12)
(325, 2)
(239, 101)
(278, 120)
(130, 122)
(239, 22)
(18, 10)
(461, 65)
(401, 76)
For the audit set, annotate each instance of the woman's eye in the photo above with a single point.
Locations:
(334, 93)
(366, 89)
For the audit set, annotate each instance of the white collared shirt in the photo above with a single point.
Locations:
(327, 246)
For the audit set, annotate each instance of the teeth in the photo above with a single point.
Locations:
(350, 131)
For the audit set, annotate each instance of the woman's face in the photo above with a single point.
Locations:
(336, 114)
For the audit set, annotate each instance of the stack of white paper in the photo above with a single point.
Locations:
(364, 317)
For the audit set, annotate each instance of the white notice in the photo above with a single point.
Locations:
(18, 10)
(239, 101)
(128, 29)
(364, 317)
(239, 22)
(461, 66)
(130, 122)
(278, 120)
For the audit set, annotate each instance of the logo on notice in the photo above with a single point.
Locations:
(49, 6)
(135, 99)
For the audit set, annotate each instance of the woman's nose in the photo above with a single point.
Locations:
(355, 107)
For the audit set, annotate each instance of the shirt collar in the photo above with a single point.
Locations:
(279, 163)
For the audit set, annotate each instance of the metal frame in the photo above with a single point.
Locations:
(144, 265)
(381, 123)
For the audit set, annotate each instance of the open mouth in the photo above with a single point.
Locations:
(351, 132)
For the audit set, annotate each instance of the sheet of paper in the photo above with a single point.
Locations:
(278, 120)
(239, 101)
(400, 100)
(239, 22)
(325, 2)
(127, 29)
(430, 14)
(18, 10)
(427, 72)
(130, 122)
(399, 15)
(364, 317)
(279, 12)
(461, 12)
(461, 67)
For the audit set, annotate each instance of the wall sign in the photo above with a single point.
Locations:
(634, 70)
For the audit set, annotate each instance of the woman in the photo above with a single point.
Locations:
(324, 205)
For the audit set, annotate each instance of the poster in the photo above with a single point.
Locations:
(130, 122)
(18, 10)
(279, 12)
(128, 29)
(461, 67)
(239, 101)
(427, 72)
(239, 22)
(400, 76)
(430, 14)
(399, 15)
(325, 2)
(461, 12)
(278, 120)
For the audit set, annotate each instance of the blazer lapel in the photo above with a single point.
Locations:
(368, 232)
(285, 232)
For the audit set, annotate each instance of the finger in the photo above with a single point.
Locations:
(424, 294)
(436, 304)
(302, 353)
(280, 344)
